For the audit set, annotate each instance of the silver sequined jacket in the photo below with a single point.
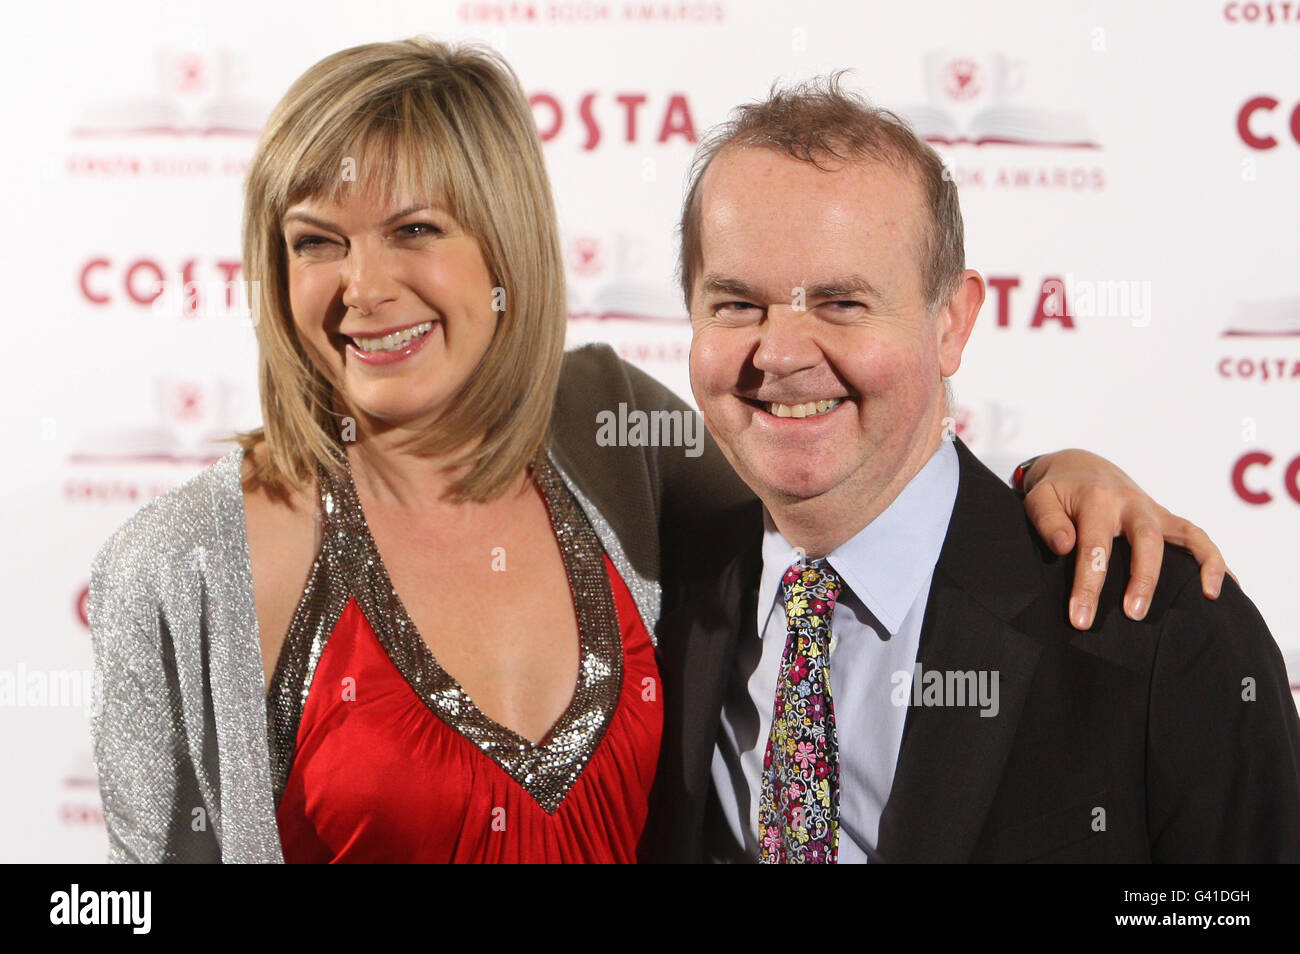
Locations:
(180, 731)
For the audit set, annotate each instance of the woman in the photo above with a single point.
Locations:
(425, 435)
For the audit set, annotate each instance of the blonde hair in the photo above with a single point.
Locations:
(818, 120)
(441, 121)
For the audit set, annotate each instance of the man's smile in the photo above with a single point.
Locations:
(796, 409)
(807, 409)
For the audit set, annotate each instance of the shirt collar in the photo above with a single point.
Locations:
(909, 536)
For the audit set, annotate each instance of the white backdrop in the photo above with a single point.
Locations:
(1143, 157)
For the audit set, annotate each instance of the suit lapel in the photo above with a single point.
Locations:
(722, 609)
(952, 757)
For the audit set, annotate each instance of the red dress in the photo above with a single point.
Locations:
(380, 756)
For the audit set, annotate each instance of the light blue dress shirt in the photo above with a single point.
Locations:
(875, 633)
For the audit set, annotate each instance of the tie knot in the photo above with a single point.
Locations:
(811, 585)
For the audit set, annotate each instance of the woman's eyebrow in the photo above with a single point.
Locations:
(418, 207)
(322, 224)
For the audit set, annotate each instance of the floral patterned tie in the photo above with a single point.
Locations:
(799, 805)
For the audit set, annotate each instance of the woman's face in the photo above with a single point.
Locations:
(395, 295)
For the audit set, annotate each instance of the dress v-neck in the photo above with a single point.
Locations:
(349, 567)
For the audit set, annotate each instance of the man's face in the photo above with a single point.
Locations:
(778, 235)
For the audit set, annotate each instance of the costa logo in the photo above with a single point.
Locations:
(1064, 298)
(572, 12)
(140, 281)
(1260, 369)
(1269, 13)
(1053, 302)
(622, 112)
(1256, 471)
(1258, 132)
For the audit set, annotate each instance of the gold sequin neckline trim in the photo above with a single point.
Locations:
(349, 565)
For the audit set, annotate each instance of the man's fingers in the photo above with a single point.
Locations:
(1089, 574)
(1148, 546)
(1050, 520)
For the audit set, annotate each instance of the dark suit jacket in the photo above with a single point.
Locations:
(1133, 741)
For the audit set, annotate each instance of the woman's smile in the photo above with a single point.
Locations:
(389, 348)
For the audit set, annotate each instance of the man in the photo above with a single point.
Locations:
(883, 669)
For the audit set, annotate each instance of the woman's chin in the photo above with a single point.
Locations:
(401, 412)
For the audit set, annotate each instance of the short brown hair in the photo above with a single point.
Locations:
(817, 120)
(444, 121)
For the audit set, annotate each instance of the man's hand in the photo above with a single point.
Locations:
(1075, 485)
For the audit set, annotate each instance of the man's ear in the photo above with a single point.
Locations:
(956, 320)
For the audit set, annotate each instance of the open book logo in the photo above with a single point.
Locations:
(192, 418)
(1272, 318)
(608, 281)
(980, 101)
(962, 79)
(193, 94)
